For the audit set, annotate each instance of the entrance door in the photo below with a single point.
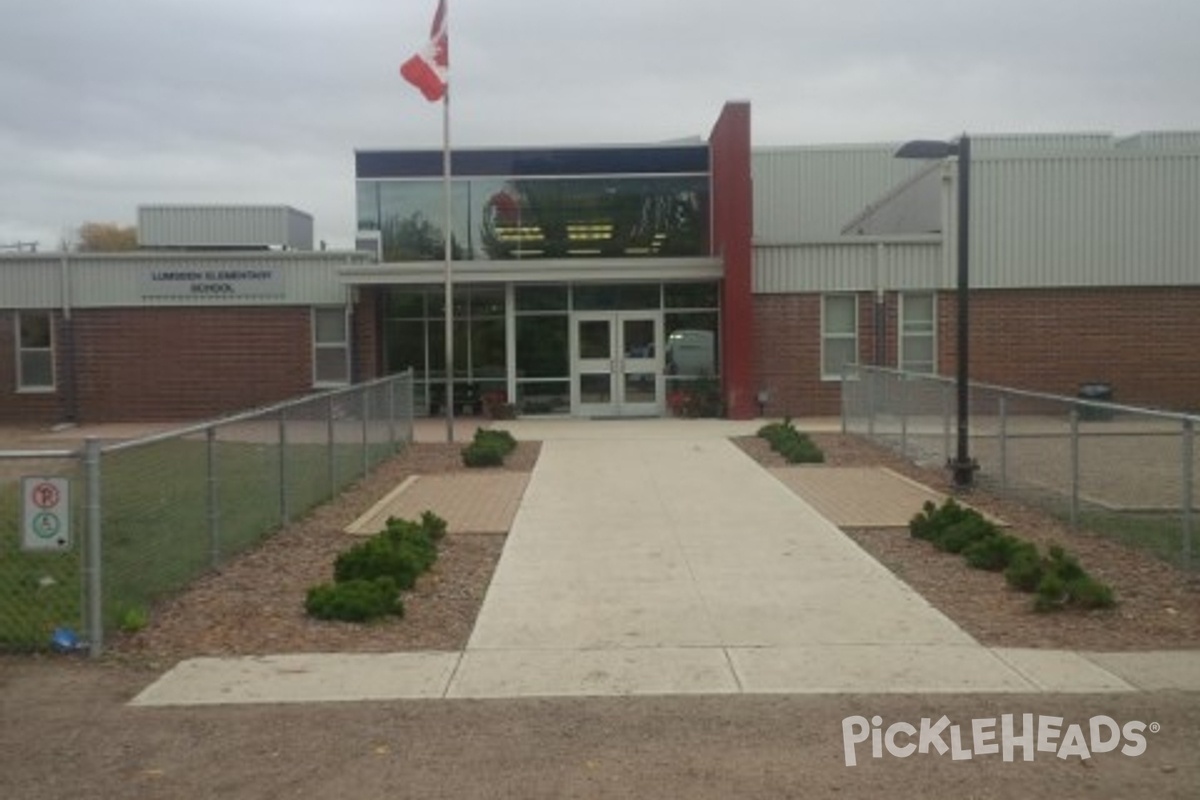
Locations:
(618, 369)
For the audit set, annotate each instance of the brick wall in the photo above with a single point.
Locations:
(1145, 342)
(172, 364)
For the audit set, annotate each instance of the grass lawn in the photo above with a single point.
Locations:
(160, 530)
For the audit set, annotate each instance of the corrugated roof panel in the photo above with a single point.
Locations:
(1105, 219)
(810, 193)
(224, 226)
(848, 266)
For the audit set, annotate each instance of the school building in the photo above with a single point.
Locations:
(623, 280)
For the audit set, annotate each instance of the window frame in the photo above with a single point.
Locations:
(826, 336)
(903, 332)
(319, 346)
(21, 350)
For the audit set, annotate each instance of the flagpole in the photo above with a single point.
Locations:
(448, 268)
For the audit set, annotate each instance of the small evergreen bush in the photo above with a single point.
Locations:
(969, 530)
(794, 446)
(1087, 592)
(1025, 569)
(354, 600)
(501, 439)
(483, 454)
(992, 553)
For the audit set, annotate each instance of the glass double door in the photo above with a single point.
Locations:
(617, 363)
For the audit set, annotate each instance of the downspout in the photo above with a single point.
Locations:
(880, 308)
(70, 382)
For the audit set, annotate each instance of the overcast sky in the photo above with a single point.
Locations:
(105, 105)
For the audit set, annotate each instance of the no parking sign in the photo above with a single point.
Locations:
(46, 513)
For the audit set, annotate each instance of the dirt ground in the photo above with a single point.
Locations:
(66, 731)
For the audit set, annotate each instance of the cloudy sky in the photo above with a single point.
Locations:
(105, 105)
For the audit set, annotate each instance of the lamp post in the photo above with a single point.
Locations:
(962, 466)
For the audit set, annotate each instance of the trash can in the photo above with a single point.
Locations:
(1099, 392)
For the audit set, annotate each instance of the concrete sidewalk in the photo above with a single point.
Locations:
(654, 557)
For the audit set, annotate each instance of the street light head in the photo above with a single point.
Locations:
(928, 149)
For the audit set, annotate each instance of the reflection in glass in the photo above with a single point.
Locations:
(640, 387)
(544, 397)
(638, 338)
(691, 347)
(595, 389)
(594, 339)
(503, 219)
(542, 347)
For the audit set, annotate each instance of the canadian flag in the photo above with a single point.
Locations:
(429, 69)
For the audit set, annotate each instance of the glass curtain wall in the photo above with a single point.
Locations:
(414, 335)
(414, 325)
(500, 219)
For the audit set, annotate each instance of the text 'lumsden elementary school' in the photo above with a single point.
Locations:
(604, 280)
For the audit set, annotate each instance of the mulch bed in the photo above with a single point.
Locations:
(1158, 608)
(254, 605)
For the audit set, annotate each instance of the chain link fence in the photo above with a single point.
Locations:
(1129, 473)
(148, 516)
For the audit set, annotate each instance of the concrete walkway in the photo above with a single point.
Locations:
(654, 557)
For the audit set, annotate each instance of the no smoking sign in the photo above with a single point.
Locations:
(46, 513)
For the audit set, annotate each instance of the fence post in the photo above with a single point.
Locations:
(391, 413)
(330, 449)
(845, 392)
(946, 403)
(214, 515)
(871, 374)
(1074, 467)
(1189, 477)
(1003, 436)
(366, 436)
(283, 493)
(94, 570)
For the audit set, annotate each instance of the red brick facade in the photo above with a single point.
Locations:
(165, 364)
(1144, 342)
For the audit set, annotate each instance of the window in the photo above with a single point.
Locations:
(918, 328)
(839, 334)
(331, 347)
(35, 351)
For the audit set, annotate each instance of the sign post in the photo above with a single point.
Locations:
(45, 513)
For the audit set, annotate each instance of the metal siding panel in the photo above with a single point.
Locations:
(224, 226)
(807, 193)
(30, 282)
(850, 266)
(1104, 219)
(115, 281)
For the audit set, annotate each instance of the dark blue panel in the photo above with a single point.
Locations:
(534, 162)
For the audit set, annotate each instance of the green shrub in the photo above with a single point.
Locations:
(1063, 565)
(504, 441)
(967, 531)
(402, 552)
(794, 446)
(992, 553)
(1087, 592)
(483, 454)
(433, 525)
(933, 521)
(354, 600)
(1051, 593)
(1025, 568)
